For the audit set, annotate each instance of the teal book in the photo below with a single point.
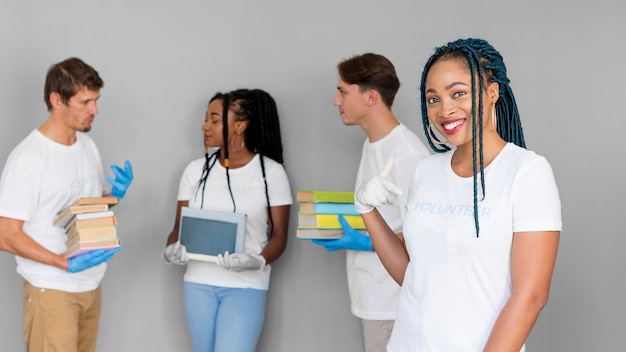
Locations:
(328, 208)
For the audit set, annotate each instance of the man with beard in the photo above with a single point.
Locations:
(55, 165)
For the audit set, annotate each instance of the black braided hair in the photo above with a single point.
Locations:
(209, 160)
(487, 65)
(226, 108)
(263, 132)
(262, 135)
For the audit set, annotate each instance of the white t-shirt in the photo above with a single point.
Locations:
(456, 284)
(249, 193)
(373, 293)
(40, 178)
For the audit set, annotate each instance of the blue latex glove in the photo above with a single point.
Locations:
(352, 239)
(89, 259)
(123, 179)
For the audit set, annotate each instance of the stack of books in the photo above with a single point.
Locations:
(318, 214)
(89, 224)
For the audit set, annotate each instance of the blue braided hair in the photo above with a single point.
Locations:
(487, 66)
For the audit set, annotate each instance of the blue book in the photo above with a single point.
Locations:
(328, 208)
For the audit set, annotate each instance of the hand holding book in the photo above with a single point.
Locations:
(87, 260)
(352, 239)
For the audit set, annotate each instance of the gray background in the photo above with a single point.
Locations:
(162, 60)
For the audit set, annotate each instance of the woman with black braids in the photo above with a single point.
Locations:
(483, 218)
(225, 301)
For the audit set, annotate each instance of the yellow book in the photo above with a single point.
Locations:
(329, 221)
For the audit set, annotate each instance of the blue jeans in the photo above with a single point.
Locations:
(223, 319)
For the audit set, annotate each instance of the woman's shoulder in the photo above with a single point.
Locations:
(196, 164)
(199, 162)
(434, 163)
(525, 161)
(438, 158)
(522, 155)
(273, 169)
(270, 163)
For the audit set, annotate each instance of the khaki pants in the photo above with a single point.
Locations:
(59, 321)
(376, 334)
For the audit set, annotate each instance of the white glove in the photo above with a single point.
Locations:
(376, 192)
(175, 253)
(241, 261)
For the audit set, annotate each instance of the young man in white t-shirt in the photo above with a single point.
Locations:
(55, 165)
(365, 92)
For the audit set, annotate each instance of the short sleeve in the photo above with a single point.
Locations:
(278, 186)
(189, 180)
(536, 202)
(19, 190)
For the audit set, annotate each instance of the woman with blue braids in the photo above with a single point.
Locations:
(483, 218)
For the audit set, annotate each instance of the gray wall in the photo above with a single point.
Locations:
(162, 60)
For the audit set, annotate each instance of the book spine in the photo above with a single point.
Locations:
(90, 223)
(329, 208)
(331, 221)
(77, 249)
(67, 215)
(93, 233)
(325, 196)
(77, 240)
(63, 219)
(307, 234)
(97, 200)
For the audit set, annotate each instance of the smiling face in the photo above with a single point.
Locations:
(80, 111)
(448, 94)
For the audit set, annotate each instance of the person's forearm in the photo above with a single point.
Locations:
(387, 245)
(274, 248)
(514, 323)
(173, 236)
(533, 255)
(279, 227)
(22, 245)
